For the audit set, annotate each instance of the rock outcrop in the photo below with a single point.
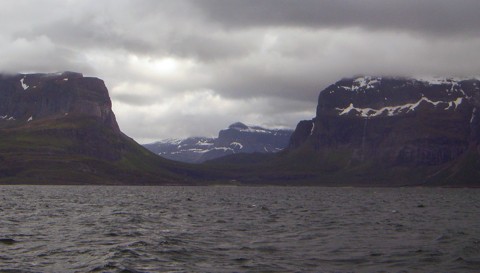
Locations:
(372, 125)
(28, 97)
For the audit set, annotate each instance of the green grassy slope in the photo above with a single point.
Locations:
(304, 166)
(80, 150)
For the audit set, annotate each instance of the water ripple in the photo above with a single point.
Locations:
(238, 229)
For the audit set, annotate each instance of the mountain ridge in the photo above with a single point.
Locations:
(237, 138)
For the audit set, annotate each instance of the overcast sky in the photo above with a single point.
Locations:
(183, 68)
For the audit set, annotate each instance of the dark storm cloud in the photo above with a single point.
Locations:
(437, 17)
(256, 82)
(150, 28)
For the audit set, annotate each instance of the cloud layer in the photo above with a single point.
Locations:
(182, 68)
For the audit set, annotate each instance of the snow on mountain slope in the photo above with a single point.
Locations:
(237, 138)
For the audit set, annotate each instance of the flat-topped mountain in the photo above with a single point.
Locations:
(60, 129)
(237, 138)
(378, 131)
(27, 97)
(398, 131)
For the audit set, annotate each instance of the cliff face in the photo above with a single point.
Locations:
(383, 123)
(239, 138)
(50, 96)
(60, 129)
(253, 139)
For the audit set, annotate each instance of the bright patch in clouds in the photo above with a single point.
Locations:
(199, 113)
(196, 113)
(165, 67)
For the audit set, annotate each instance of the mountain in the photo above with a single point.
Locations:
(237, 138)
(60, 129)
(368, 131)
(188, 150)
(378, 131)
(393, 131)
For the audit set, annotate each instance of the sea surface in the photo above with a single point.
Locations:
(238, 229)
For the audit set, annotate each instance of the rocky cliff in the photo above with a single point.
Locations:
(28, 97)
(60, 129)
(237, 138)
(368, 131)
(395, 130)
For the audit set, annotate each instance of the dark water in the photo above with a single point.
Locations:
(238, 229)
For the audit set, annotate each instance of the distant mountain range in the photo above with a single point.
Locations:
(237, 138)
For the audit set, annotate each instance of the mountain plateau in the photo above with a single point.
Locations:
(60, 129)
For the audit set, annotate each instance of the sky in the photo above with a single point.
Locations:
(192, 67)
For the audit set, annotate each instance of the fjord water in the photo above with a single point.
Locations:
(238, 229)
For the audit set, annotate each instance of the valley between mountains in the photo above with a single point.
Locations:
(368, 131)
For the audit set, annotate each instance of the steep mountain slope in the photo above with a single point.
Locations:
(237, 138)
(393, 131)
(60, 129)
(378, 131)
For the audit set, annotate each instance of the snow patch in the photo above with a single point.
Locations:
(313, 127)
(433, 80)
(6, 117)
(198, 151)
(236, 144)
(368, 82)
(204, 143)
(24, 85)
(363, 83)
(223, 149)
(455, 103)
(30, 119)
(347, 110)
(439, 80)
(255, 130)
(395, 110)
